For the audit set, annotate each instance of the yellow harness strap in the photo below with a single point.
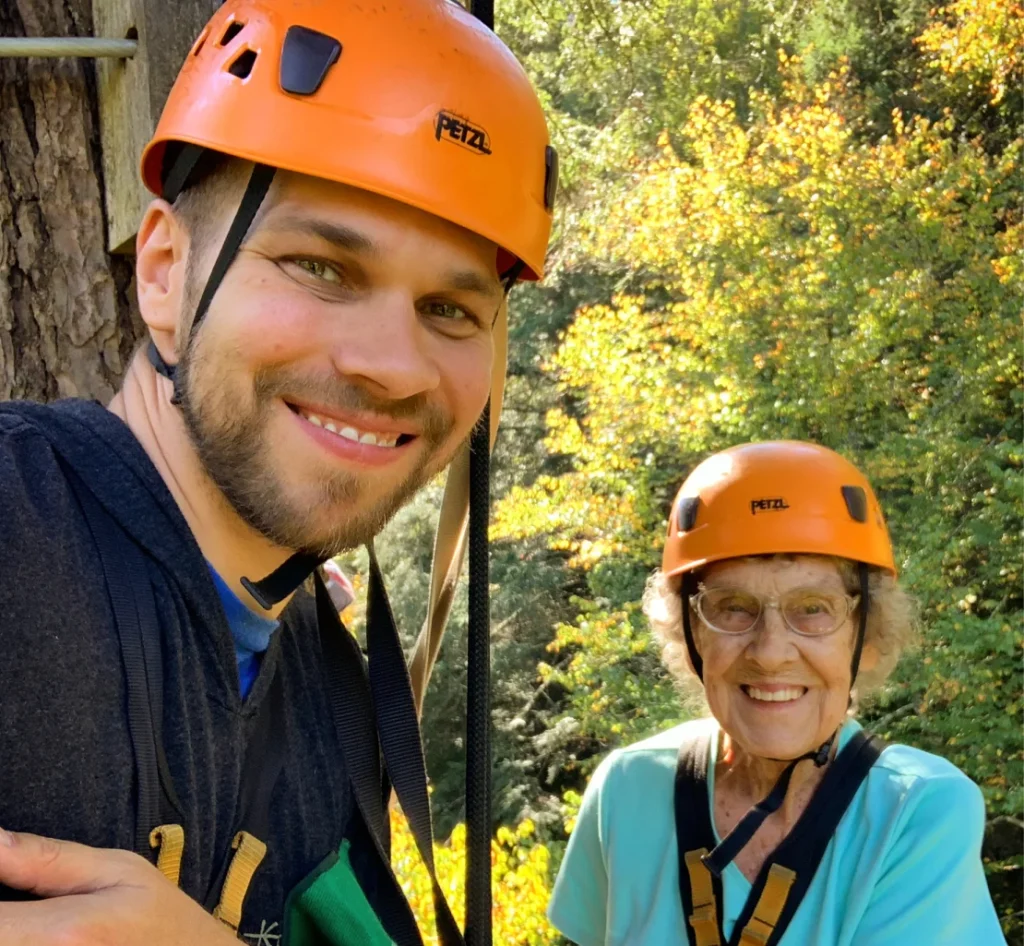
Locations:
(169, 841)
(769, 906)
(249, 854)
(704, 918)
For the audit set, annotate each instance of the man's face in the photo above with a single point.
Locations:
(345, 357)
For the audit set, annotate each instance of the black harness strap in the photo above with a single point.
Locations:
(804, 847)
(693, 820)
(801, 851)
(138, 632)
(401, 742)
(353, 711)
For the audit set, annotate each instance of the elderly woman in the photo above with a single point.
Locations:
(778, 820)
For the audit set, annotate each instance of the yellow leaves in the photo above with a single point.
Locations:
(980, 40)
(520, 882)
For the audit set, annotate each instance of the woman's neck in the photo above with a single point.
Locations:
(748, 778)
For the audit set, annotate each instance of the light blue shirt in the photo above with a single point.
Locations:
(902, 869)
(251, 633)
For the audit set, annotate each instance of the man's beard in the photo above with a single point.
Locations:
(231, 441)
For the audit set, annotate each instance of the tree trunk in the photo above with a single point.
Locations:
(68, 320)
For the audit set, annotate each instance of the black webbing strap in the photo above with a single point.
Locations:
(694, 830)
(283, 580)
(801, 850)
(259, 183)
(255, 191)
(138, 631)
(738, 838)
(348, 691)
(862, 621)
(401, 741)
(400, 738)
(177, 176)
(804, 847)
(478, 697)
(689, 587)
(478, 694)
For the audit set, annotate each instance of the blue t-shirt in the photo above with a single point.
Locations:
(903, 867)
(251, 633)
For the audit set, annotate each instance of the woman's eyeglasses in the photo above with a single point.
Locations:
(810, 612)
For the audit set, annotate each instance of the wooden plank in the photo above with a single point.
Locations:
(132, 92)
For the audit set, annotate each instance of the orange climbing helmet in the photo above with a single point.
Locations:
(414, 100)
(781, 496)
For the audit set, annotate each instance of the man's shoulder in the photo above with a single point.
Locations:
(29, 472)
(28, 434)
(43, 538)
(18, 427)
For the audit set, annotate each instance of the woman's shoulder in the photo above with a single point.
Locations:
(925, 787)
(908, 765)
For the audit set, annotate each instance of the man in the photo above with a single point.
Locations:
(348, 193)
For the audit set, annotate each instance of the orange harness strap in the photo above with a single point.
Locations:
(249, 854)
(769, 906)
(704, 918)
(169, 841)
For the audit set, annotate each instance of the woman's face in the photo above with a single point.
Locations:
(776, 693)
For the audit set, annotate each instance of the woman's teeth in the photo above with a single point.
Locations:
(350, 433)
(774, 696)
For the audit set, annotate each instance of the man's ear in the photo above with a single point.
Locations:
(161, 255)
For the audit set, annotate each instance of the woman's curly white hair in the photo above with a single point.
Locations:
(891, 626)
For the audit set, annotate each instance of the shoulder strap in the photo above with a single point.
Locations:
(348, 691)
(401, 741)
(370, 707)
(699, 890)
(138, 631)
(786, 876)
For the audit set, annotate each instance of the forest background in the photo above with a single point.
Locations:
(777, 220)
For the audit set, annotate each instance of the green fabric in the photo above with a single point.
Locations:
(329, 908)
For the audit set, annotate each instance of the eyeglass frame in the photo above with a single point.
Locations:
(773, 602)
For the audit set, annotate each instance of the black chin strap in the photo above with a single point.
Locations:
(256, 190)
(689, 587)
(740, 836)
(283, 580)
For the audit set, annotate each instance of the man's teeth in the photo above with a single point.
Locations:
(774, 696)
(350, 433)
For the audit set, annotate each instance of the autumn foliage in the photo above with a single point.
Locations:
(816, 235)
(520, 882)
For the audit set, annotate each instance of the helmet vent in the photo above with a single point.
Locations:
(306, 57)
(242, 64)
(686, 512)
(201, 42)
(233, 29)
(550, 177)
(856, 503)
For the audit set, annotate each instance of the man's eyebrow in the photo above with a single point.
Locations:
(351, 240)
(469, 280)
(338, 235)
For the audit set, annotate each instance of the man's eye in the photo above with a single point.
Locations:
(446, 310)
(319, 270)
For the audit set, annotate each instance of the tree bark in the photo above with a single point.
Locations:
(68, 319)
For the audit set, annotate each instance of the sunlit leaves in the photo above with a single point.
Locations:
(520, 882)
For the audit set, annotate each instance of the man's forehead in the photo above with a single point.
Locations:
(298, 202)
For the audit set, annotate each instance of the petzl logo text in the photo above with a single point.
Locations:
(461, 132)
(767, 505)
